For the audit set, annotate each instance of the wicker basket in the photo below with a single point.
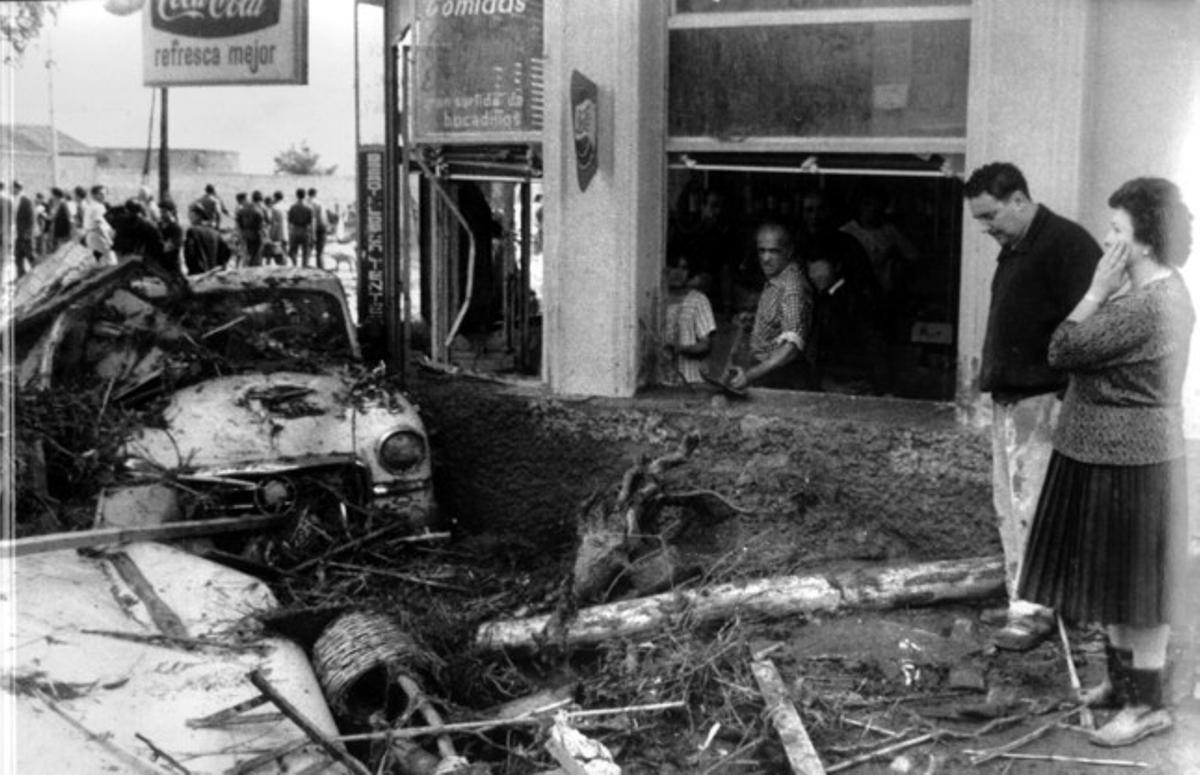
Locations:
(357, 660)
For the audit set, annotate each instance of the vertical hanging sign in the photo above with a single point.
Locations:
(371, 315)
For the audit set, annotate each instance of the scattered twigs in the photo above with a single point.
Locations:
(927, 737)
(134, 763)
(331, 746)
(343, 548)
(1085, 713)
(986, 755)
(223, 715)
(529, 719)
(213, 332)
(402, 577)
(262, 760)
(159, 753)
(885, 751)
(188, 644)
(1050, 757)
(871, 726)
(417, 696)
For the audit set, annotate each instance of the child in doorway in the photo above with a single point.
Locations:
(687, 336)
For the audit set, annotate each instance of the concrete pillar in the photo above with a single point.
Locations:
(604, 246)
(1026, 106)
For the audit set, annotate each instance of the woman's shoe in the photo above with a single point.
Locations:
(1130, 725)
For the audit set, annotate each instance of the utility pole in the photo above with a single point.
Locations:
(53, 126)
(164, 156)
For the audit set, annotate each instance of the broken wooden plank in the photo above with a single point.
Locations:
(331, 747)
(801, 754)
(118, 535)
(1085, 713)
(164, 618)
(535, 719)
(907, 585)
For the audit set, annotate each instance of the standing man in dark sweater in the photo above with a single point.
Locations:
(1045, 266)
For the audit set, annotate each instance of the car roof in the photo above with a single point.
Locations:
(304, 278)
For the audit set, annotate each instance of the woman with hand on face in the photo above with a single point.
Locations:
(1110, 533)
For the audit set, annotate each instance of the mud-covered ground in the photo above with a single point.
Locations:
(826, 483)
(830, 480)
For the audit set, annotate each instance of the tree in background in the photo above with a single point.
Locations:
(20, 24)
(301, 161)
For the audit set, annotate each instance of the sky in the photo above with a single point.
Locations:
(100, 100)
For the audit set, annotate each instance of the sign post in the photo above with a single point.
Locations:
(372, 320)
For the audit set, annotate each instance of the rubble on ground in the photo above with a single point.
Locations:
(565, 507)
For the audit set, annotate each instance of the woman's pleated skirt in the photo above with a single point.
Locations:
(1109, 542)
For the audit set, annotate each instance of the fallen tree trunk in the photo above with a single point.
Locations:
(922, 584)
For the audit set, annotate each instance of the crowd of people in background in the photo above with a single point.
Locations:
(261, 229)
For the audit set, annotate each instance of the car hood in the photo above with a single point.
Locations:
(284, 417)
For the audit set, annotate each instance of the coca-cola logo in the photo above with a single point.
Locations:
(213, 18)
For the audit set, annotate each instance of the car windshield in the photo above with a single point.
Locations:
(251, 325)
(143, 346)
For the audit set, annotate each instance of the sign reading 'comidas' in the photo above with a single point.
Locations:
(197, 42)
(478, 70)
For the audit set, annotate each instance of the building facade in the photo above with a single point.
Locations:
(771, 98)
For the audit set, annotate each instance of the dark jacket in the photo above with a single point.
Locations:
(1037, 283)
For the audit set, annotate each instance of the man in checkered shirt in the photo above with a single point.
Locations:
(779, 341)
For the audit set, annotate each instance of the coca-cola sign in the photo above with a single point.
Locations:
(213, 18)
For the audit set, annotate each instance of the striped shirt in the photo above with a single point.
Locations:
(784, 314)
(688, 321)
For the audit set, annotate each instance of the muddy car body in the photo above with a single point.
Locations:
(265, 406)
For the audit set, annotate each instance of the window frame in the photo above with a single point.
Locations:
(678, 21)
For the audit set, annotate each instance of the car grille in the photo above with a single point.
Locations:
(293, 491)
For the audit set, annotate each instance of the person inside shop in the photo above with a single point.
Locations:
(1110, 533)
(818, 236)
(887, 249)
(689, 325)
(711, 243)
(780, 337)
(850, 356)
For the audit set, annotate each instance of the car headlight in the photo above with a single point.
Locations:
(401, 450)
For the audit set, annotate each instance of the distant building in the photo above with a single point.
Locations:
(182, 160)
(27, 150)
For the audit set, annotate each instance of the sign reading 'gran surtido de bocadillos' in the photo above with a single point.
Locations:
(211, 42)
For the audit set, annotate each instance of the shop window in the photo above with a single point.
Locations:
(873, 79)
(738, 6)
(890, 225)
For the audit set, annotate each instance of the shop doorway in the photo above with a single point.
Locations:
(891, 225)
(481, 297)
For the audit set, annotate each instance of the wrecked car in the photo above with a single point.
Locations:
(264, 404)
